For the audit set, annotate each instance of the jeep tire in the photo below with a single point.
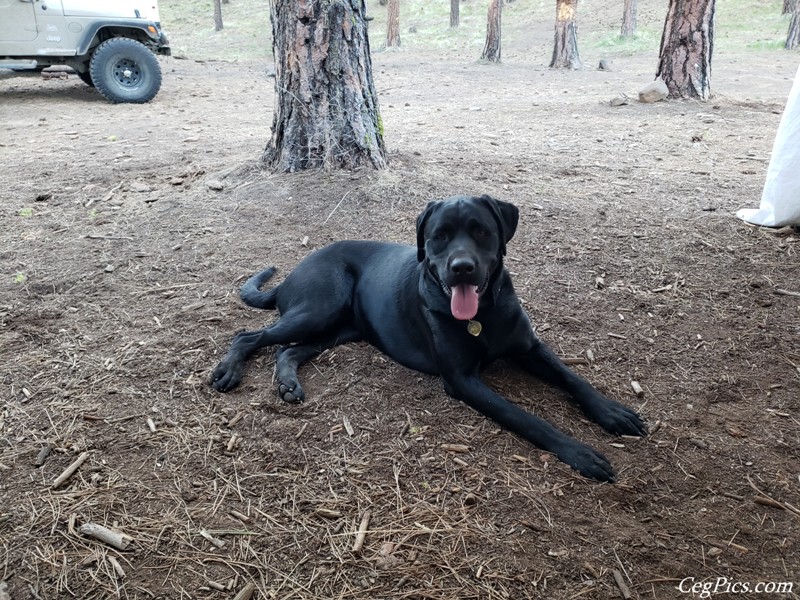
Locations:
(124, 70)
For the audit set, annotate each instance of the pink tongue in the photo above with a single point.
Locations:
(464, 302)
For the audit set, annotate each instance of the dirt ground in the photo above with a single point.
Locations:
(120, 269)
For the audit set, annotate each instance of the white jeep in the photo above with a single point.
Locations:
(110, 45)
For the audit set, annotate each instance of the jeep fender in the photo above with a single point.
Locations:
(134, 28)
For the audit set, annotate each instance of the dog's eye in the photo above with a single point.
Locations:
(440, 235)
(481, 232)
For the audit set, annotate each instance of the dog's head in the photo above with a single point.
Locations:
(462, 241)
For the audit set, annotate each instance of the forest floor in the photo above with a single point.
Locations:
(121, 259)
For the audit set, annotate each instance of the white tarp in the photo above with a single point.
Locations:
(780, 200)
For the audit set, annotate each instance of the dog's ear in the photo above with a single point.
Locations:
(422, 220)
(507, 217)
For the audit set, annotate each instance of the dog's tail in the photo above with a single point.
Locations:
(253, 296)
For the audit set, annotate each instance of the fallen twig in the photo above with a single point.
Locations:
(766, 500)
(70, 471)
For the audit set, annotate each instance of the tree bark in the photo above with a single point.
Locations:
(788, 7)
(326, 109)
(687, 45)
(393, 24)
(793, 36)
(491, 50)
(565, 46)
(455, 7)
(217, 15)
(628, 19)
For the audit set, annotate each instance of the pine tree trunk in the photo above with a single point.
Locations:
(326, 109)
(491, 50)
(686, 48)
(217, 15)
(628, 19)
(393, 24)
(565, 46)
(454, 12)
(793, 37)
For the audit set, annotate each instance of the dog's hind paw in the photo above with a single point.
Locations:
(294, 395)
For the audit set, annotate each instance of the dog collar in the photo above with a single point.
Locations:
(474, 328)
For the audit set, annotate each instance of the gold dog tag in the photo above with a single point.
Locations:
(474, 328)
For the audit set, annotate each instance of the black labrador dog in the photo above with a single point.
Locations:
(446, 307)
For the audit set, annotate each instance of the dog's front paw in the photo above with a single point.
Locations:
(588, 462)
(619, 419)
(226, 376)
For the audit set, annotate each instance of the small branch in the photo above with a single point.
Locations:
(117, 567)
(781, 292)
(577, 360)
(70, 471)
(116, 539)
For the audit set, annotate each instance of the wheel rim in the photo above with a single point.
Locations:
(127, 73)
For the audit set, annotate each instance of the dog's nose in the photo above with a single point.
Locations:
(462, 266)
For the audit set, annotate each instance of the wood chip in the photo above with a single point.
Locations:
(43, 454)
(362, 531)
(579, 360)
(626, 592)
(218, 543)
(241, 516)
(246, 592)
(637, 389)
(347, 426)
(457, 448)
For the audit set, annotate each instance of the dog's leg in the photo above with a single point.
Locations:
(289, 358)
(294, 326)
(612, 416)
(474, 392)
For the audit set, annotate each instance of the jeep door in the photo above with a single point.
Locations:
(17, 23)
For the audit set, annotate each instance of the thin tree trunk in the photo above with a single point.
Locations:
(788, 7)
(565, 45)
(687, 45)
(454, 12)
(217, 15)
(326, 109)
(393, 24)
(628, 19)
(793, 36)
(491, 50)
